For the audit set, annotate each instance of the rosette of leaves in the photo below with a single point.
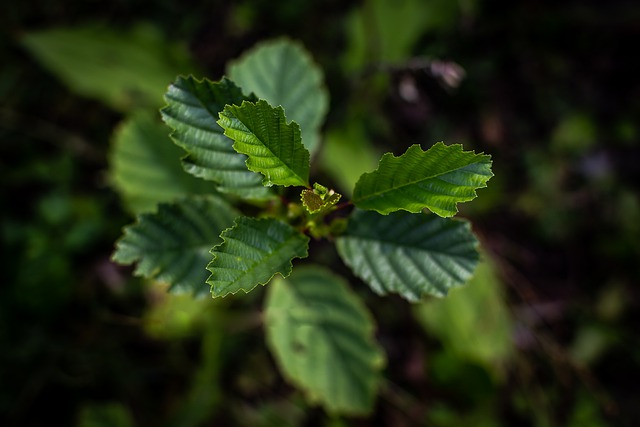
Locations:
(398, 239)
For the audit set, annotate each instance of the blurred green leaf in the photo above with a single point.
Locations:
(574, 134)
(125, 70)
(283, 73)
(204, 395)
(590, 343)
(388, 30)
(473, 321)
(145, 165)
(347, 154)
(174, 316)
(586, 412)
(322, 337)
(105, 415)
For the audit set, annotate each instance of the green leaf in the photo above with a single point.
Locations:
(283, 73)
(107, 414)
(274, 148)
(347, 153)
(473, 321)
(145, 165)
(173, 244)
(124, 69)
(192, 111)
(437, 179)
(383, 31)
(318, 199)
(413, 255)
(252, 252)
(321, 335)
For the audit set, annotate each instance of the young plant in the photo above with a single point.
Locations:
(258, 159)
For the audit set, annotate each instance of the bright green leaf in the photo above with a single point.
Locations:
(145, 165)
(126, 70)
(173, 244)
(322, 337)
(437, 179)
(192, 111)
(252, 252)
(413, 255)
(283, 73)
(273, 146)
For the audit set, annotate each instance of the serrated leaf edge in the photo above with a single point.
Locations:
(224, 241)
(388, 156)
(304, 181)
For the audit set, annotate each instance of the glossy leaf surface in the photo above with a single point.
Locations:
(192, 111)
(322, 337)
(273, 146)
(252, 252)
(173, 244)
(436, 179)
(283, 73)
(413, 255)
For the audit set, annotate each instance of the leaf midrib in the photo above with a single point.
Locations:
(301, 180)
(323, 326)
(435, 176)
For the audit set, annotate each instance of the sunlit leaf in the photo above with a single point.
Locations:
(173, 244)
(145, 165)
(192, 111)
(413, 255)
(252, 252)
(322, 337)
(437, 179)
(283, 73)
(125, 69)
(273, 146)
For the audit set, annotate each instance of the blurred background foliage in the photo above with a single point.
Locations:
(546, 333)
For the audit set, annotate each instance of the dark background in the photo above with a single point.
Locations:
(550, 91)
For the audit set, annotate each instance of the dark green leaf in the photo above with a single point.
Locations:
(192, 111)
(322, 337)
(252, 252)
(173, 244)
(437, 179)
(413, 255)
